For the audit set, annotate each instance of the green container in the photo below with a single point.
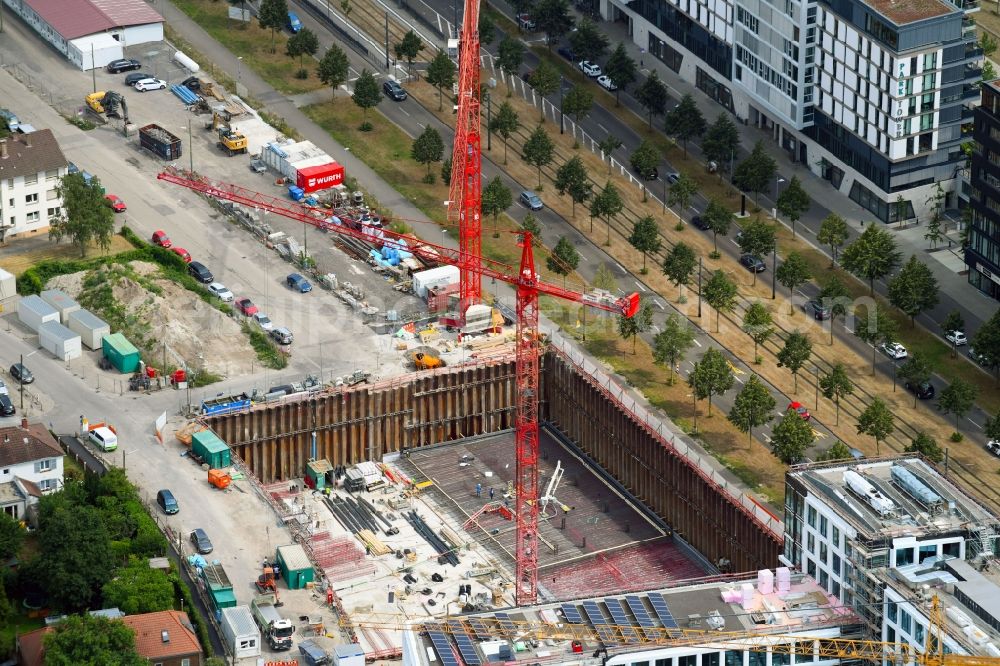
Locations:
(223, 598)
(206, 445)
(296, 568)
(122, 353)
(316, 471)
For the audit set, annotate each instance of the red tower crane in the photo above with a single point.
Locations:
(465, 193)
(527, 350)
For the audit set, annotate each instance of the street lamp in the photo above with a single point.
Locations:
(239, 72)
(561, 128)
(774, 268)
(777, 187)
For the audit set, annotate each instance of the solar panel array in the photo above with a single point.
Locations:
(572, 614)
(443, 648)
(479, 628)
(649, 626)
(660, 608)
(466, 647)
(620, 618)
(506, 625)
(599, 622)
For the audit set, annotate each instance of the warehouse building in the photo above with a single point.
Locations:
(91, 33)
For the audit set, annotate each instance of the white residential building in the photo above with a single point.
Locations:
(31, 464)
(31, 166)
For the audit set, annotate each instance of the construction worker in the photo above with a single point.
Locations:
(491, 493)
(479, 490)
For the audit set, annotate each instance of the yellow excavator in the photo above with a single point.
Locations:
(230, 140)
(108, 102)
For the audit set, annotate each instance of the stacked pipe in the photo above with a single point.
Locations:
(446, 554)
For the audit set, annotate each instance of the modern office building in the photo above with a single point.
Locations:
(982, 254)
(872, 95)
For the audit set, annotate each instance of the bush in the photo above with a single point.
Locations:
(957, 437)
(267, 351)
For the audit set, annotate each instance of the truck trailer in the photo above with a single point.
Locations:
(275, 629)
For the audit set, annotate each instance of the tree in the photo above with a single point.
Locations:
(992, 427)
(679, 265)
(711, 376)
(681, 192)
(875, 328)
(758, 324)
(496, 198)
(957, 398)
(720, 293)
(588, 41)
(872, 256)
(446, 171)
(927, 446)
(138, 588)
(408, 48)
(427, 148)
(333, 68)
(272, 15)
(11, 536)
(621, 69)
(835, 385)
(572, 178)
(564, 258)
(487, 28)
(652, 96)
(87, 639)
(934, 235)
(441, 75)
(505, 123)
(986, 342)
(87, 218)
(645, 238)
(631, 327)
(835, 296)
(577, 102)
(367, 96)
(607, 204)
(876, 421)
(645, 159)
(756, 173)
(833, 232)
(752, 407)
(719, 219)
(953, 322)
(303, 43)
(672, 342)
(791, 437)
(545, 80)
(510, 55)
(759, 239)
(989, 72)
(794, 354)
(722, 138)
(74, 558)
(538, 150)
(604, 278)
(554, 19)
(837, 451)
(915, 370)
(914, 289)
(793, 202)
(608, 145)
(792, 272)
(531, 225)
(685, 121)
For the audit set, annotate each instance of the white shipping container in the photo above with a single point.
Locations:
(61, 301)
(307, 162)
(302, 154)
(89, 327)
(33, 312)
(62, 342)
(240, 631)
(273, 153)
(434, 277)
(8, 285)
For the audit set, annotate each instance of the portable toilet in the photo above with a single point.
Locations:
(296, 568)
(122, 353)
(316, 471)
(34, 312)
(206, 445)
(61, 301)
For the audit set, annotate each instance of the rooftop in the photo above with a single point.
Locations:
(163, 634)
(892, 497)
(30, 154)
(902, 12)
(20, 444)
(30, 647)
(77, 18)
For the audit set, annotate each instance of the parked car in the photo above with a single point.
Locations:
(650, 175)
(167, 502)
(956, 338)
(525, 22)
(123, 65)
(282, 335)
(298, 283)
(6, 406)
(257, 165)
(21, 373)
(753, 263)
(818, 311)
(201, 542)
(135, 77)
(182, 253)
(531, 200)
(3, 388)
(566, 52)
(977, 358)
(150, 84)
(221, 292)
(799, 409)
(893, 350)
(923, 390)
(160, 238)
(673, 177)
(263, 321)
(246, 307)
(104, 438)
(393, 90)
(605, 82)
(700, 223)
(591, 69)
(115, 202)
(294, 24)
(200, 272)
(993, 446)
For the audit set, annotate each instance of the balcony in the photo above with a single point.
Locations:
(968, 28)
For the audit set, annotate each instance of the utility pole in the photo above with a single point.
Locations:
(774, 268)
(387, 42)
(699, 285)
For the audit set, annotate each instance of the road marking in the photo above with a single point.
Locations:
(973, 422)
(355, 269)
(658, 302)
(697, 343)
(736, 371)
(404, 111)
(659, 305)
(849, 330)
(603, 128)
(739, 380)
(767, 439)
(638, 284)
(620, 267)
(817, 435)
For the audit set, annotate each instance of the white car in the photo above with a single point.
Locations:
(993, 446)
(3, 388)
(591, 69)
(150, 84)
(221, 291)
(605, 81)
(894, 350)
(956, 338)
(263, 321)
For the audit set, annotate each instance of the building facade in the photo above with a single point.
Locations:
(873, 96)
(982, 254)
(31, 166)
(31, 464)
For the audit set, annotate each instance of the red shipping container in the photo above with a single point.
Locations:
(320, 177)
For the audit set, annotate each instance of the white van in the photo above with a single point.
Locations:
(104, 438)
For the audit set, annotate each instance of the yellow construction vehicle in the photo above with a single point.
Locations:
(230, 140)
(425, 358)
(108, 102)
(94, 100)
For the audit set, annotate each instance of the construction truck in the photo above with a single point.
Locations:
(275, 628)
(425, 358)
(109, 103)
(219, 478)
(230, 140)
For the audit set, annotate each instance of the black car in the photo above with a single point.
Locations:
(135, 77)
(123, 65)
(200, 272)
(21, 373)
(652, 174)
(201, 542)
(566, 52)
(394, 91)
(924, 390)
(753, 263)
(700, 223)
(6, 406)
(818, 311)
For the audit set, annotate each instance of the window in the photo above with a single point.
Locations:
(811, 517)
(822, 552)
(31, 180)
(810, 543)
(918, 632)
(31, 198)
(44, 465)
(53, 212)
(822, 526)
(780, 659)
(688, 660)
(836, 565)
(11, 203)
(757, 658)
(904, 621)
(811, 568)
(835, 589)
(52, 174)
(710, 659)
(950, 549)
(927, 552)
(835, 536)
(904, 556)
(663, 662)
(47, 484)
(890, 635)
(891, 611)
(51, 195)
(734, 658)
(185, 662)
(32, 217)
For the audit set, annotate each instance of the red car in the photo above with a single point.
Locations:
(160, 238)
(246, 307)
(800, 409)
(183, 254)
(116, 203)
